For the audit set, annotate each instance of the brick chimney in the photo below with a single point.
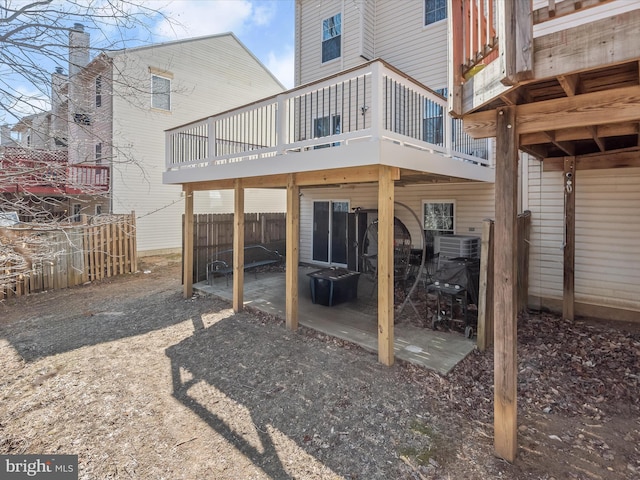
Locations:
(78, 49)
(59, 129)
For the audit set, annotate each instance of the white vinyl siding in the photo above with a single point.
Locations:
(474, 202)
(210, 75)
(607, 263)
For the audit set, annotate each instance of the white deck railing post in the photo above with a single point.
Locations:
(211, 139)
(448, 130)
(376, 112)
(168, 151)
(281, 123)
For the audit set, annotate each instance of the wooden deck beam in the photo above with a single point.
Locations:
(386, 197)
(597, 161)
(505, 286)
(293, 249)
(607, 106)
(335, 176)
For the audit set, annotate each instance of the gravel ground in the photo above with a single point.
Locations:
(141, 383)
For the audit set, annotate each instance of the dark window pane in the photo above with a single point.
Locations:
(331, 49)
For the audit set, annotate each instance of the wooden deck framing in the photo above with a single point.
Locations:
(570, 98)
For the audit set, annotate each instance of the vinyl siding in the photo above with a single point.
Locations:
(403, 41)
(209, 75)
(607, 262)
(392, 30)
(474, 202)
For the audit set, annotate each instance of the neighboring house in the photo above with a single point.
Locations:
(111, 111)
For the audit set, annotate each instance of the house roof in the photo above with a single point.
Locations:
(115, 53)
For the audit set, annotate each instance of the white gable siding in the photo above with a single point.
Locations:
(209, 75)
(474, 202)
(607, 262)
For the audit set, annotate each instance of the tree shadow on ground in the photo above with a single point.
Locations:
(272, 395)
(100, 322)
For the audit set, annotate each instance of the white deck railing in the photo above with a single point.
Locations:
(372, 102)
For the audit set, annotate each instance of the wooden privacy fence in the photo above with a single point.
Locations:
(213, 232)
(38, 257)
(485, 296)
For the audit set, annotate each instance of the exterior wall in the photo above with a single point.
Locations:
(607, 263)
(473, 203)
(403, 41)
(210, 75)
(391, 30)
(256, 200)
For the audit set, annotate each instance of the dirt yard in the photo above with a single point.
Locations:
(140, 383)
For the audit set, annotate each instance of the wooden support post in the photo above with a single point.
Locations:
(187, 259)
(238, 246)
(515, 31)
(568, 280)
(293, 246)
(485, 296)
(505, 286)
(385, 265)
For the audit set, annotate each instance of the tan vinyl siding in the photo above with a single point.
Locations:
(607, 262)
(404, 41)
(474, 202)
(311, 66)
(391, 30)
(367, 32)
(209, 75)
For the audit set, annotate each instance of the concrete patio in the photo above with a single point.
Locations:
(354, 321)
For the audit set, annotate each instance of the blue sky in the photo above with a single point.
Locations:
(266, 27)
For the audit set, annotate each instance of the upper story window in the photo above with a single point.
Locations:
(98, 91)
(434, 11)
(98, 153)
(160, 92)
(331, 37)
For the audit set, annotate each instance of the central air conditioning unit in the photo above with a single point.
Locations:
(455, 246)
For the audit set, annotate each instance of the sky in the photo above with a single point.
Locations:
(265, 27)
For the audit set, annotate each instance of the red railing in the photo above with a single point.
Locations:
(475, 39)
(46, 172)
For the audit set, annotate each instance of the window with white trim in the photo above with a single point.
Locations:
(434, 11)
(160, 92)
(438, 218)
(99, 91)
(331, 37)
(98, 153)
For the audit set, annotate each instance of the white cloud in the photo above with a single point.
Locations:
(28, 100)
(281, 65)
(195, 18)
